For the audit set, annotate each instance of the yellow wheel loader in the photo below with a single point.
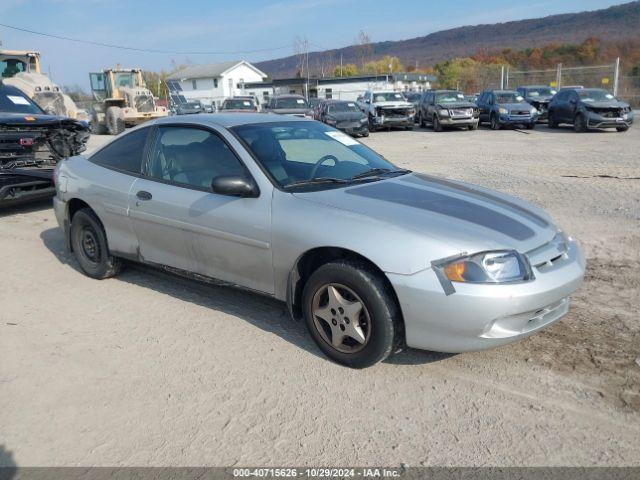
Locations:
(123, 100)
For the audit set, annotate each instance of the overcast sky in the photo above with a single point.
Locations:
(226, 26)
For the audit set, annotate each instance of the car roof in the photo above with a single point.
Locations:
(503, 91)
(228, 120)
(289, 95)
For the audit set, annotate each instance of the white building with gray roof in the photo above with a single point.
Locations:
(214, 82)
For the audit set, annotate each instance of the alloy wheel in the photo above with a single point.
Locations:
(341, 318)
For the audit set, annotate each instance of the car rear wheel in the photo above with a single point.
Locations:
(350, 313)
(89, 243)
(580, 123)
(495, 124)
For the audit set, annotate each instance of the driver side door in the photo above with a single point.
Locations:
(180, 222)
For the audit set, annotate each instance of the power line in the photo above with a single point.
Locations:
(136, 49)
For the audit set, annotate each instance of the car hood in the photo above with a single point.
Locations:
(517, 105)
(544, 99)
(449, 105)
(292, 111)
(611, 104)
(467, 218)
(346, 116)
(21, 119)
(393, 104)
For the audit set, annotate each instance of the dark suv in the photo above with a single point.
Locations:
(539, 96)
(447, 108)
(290, 104)
(589, 108)
(506, 107)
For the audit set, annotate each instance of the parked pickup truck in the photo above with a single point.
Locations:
(386, 109)
(31, 143)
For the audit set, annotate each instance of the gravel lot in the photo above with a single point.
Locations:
(149, 369)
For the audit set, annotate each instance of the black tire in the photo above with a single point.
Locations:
(90, 247)
(622, 129)
(114, 121)
(365, 134)
(531, 126)
(409, 127)
(382, 309)
(97, 128)
(473, 126)
(421, 121)
(372, 127)
(495, 124)
(551, 120)
(437, 126)
(580, 123)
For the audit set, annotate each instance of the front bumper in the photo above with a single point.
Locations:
(517, 119)
(141, 117)
(595, 121)
(353, 128)
(481, 316)
(23, 185)
(458, 121)
(395, 121)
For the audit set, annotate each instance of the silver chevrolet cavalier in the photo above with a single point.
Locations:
(371, 256)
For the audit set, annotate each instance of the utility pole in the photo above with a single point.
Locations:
(559, 76)
(616, 77)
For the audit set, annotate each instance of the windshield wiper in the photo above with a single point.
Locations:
(374, 172)
(315, 181)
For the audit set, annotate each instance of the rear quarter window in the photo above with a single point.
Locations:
(124, 153)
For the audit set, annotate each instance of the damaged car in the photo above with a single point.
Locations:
(589, 109)
(343, 115)
(387, 109)
(539, 96)
(447, 108)
(31, 143)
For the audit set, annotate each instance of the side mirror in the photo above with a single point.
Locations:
(235, 186)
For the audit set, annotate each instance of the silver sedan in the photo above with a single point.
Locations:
(371, 256)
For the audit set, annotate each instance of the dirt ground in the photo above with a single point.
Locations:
(150, 369)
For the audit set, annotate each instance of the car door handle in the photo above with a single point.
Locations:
(142, 195)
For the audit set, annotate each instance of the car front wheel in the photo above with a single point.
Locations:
(495, 124)
(90, 248)
(351, 314)
(580, 123)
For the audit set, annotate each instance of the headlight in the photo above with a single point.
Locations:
(503, 111)
(364, 120)
(488, 267)
(443, 112)
(534, 110)
(330, 121)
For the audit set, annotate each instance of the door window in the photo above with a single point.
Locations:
(124, 153)
(192, 157)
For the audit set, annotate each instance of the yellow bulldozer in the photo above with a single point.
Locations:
(123, 99)
(21, 69)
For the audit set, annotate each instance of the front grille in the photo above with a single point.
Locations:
(461, 112)
(610, 113)
(144, 103)
(520, 113)
(395, 112)
(548, 255)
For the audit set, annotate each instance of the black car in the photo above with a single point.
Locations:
(447, 108)
(589, 108)
(539, 96)
(343, 115)
(31, 143)
(289, 105)
(189, 108)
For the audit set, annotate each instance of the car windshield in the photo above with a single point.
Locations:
(300, 154)
(413, 97)
(14, 102)
(387, 97)
(541, 92)
(291, 102)
(449, 97)
(595, 95)
(238, 104)
(343, 107)
(508, 97)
